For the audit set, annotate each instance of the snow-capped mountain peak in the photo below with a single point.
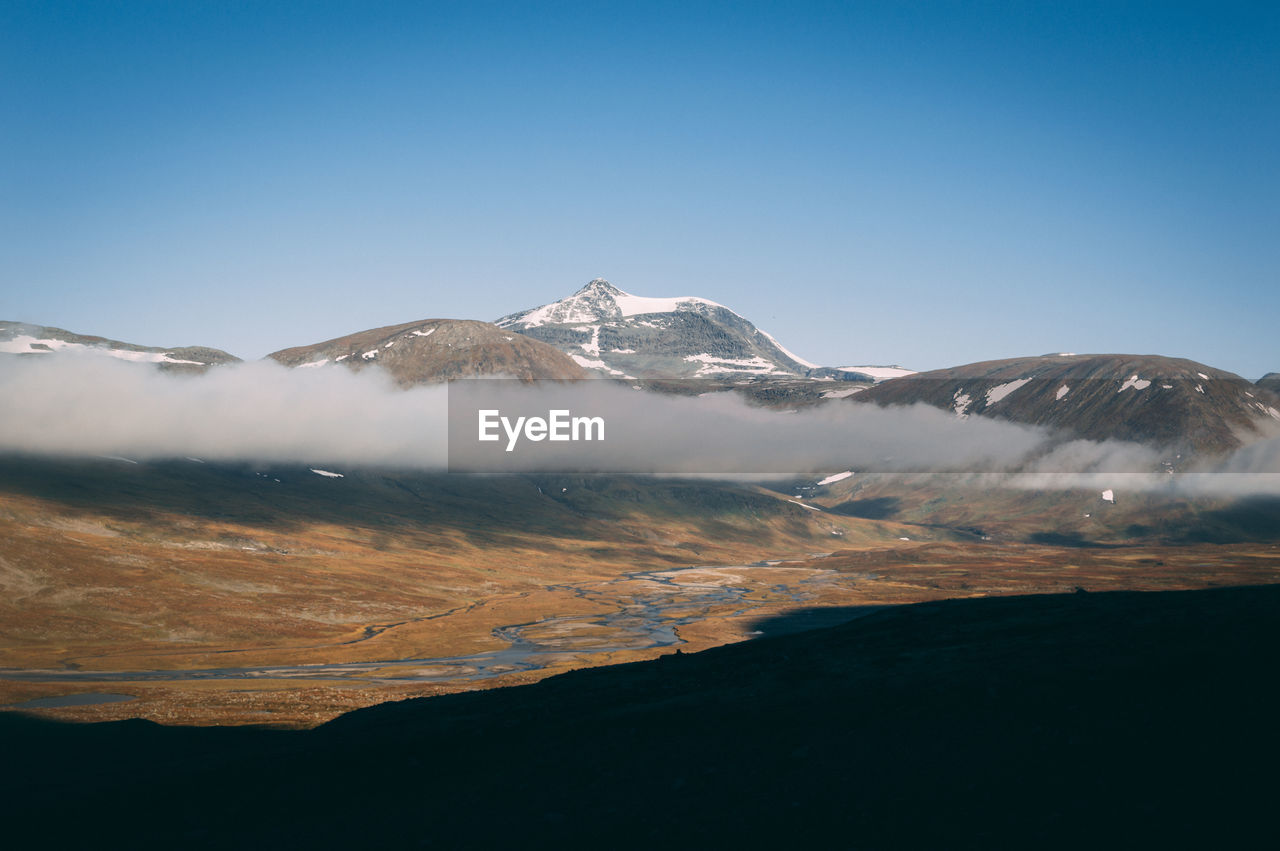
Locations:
(600, 301)
(613, 332)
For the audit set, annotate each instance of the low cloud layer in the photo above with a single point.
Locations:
(721, 433)
(258, 411)
(265, 412)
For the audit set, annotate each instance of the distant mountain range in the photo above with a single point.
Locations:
(599, 331)
(602, 331)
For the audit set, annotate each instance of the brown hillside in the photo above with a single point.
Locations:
(435, 350)
(1159, 401)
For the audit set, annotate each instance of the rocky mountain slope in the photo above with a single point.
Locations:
(615, 333)
(434, 350)
(19, 338)
(1166, 402)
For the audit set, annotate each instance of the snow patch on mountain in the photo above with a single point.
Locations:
(712, 364)
(879, 373)
(842, 394)
(1135, 382)
(787, 351)
(23, 344)
(635, 305)
(596, 363)
(995, 394)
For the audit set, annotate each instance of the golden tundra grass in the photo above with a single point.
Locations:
(107, 589)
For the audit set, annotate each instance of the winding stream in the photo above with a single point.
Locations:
(644, 610)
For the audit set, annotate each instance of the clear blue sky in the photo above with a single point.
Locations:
(921, 183)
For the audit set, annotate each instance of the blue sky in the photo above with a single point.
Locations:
(916, 183)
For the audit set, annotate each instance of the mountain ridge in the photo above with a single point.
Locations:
(603, 331)
(434, 350)
(1172, 403)
(26, 340)
(615, 333)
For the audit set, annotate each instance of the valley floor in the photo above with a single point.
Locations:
(524, 636)
(197, 594)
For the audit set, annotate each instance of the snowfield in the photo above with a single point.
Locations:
(879, 373)
(755, 365)
(1135, 382)
(995, 394)
(24, 344)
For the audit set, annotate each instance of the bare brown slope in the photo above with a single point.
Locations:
(434, 350)
(1159, 401)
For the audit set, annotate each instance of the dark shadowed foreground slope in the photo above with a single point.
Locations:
(1118, 719)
